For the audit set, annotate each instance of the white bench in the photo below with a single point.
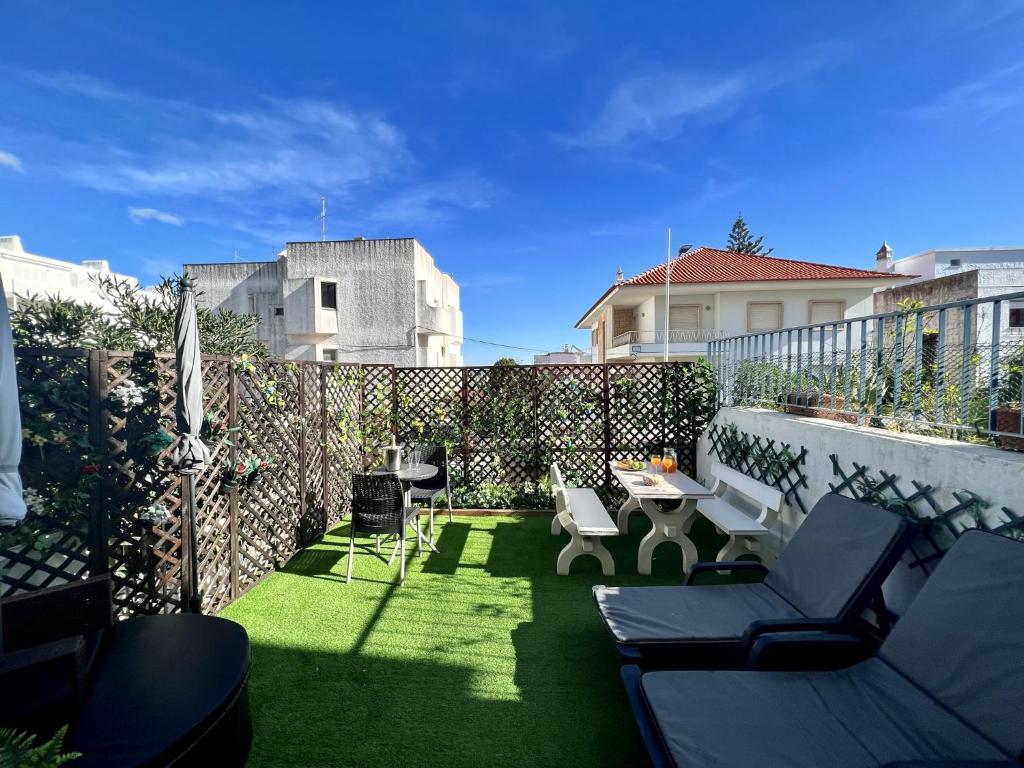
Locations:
(743, 530)
(581, 514)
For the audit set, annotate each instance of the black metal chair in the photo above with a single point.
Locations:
(431, 488)
(378, 508)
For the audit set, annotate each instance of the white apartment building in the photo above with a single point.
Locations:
(714, 294)
(29, 274)
(357, 301)
(944, 275)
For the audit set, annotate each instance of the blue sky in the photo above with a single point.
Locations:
(532, 147)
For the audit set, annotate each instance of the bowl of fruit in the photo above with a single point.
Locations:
(630, 465)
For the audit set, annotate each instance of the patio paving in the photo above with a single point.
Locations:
(484, 657)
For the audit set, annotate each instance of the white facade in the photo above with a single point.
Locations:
(28, 274)
(1000, 270)
(568, 356)
(357, 301)
(707, 312)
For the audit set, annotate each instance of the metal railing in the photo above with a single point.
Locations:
(692, 335)
(953, 369)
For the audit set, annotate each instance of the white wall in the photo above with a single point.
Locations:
(29, 274)
(796, 304)
(993, 474)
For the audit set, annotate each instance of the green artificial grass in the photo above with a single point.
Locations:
(483, 658)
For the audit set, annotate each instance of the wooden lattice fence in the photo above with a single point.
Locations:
(99, 427)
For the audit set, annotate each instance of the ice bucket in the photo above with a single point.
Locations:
(393, 458)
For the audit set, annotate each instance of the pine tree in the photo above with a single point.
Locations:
(740, 240)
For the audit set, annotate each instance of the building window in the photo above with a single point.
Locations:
(823, 312)
(252, 304)
(764, 316)
(278, 311)
(1017, 314)
(329, 355)
(329, 295)
(954, 262)
(684, 317)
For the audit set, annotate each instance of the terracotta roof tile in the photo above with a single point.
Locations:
(711, 265)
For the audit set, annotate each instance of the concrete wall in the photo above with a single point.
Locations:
(376, 316)
(229, 286)
(29, 274)
(995, 475)
(393, 304)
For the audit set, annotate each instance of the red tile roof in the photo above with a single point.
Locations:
(711, 265)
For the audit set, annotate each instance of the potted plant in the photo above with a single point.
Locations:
(259, 467)
(236, 474)
(1006, 417)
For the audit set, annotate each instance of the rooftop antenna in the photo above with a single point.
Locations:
(323, 219)
(236, 255)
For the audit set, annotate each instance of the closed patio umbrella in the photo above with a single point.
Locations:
(12, 505)
(190, 453)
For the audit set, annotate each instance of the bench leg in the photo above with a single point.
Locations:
(602, 554)
(584, 545)
(628, 506)
(568, 554)
(556, 527)
(734, 547)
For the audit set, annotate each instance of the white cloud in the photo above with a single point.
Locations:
(983, 98)
(433, 201)
(255, 165)
(658, 105)
(152, 214)
(7, 160)
(655, 106)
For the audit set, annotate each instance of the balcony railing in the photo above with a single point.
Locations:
(952, 369)
(693, 335)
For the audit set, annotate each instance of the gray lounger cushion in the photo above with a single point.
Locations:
(860, 717)
(962, 639)
(823, 569)
(638, 615)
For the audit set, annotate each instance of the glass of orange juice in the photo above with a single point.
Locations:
(656, 460)
(668, 461)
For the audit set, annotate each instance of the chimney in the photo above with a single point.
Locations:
(618, 277)
(683, 249)
(883, 259)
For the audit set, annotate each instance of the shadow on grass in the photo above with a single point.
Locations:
(484, 657)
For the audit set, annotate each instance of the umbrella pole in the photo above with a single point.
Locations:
(195, 600)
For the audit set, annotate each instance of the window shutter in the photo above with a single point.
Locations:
(765, 315)
(684, 317)
(825, 312)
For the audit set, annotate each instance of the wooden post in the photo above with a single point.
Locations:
(233, 521)
(303, 469)
(99, 425)
(606, 401)
(538, 471)
(465, 429)
(325, 458)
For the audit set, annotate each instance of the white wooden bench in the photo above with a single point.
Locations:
(581, 514)
(743, 529)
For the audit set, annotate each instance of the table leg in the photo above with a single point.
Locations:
(631, 504)
(670, 525)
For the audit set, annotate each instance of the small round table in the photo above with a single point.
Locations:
(407, 476)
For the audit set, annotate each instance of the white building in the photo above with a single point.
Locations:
(569, 356)
(945, 275)
(359, 301)
(29, 274)
(714, 294)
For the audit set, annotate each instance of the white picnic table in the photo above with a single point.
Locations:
(671, 521)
